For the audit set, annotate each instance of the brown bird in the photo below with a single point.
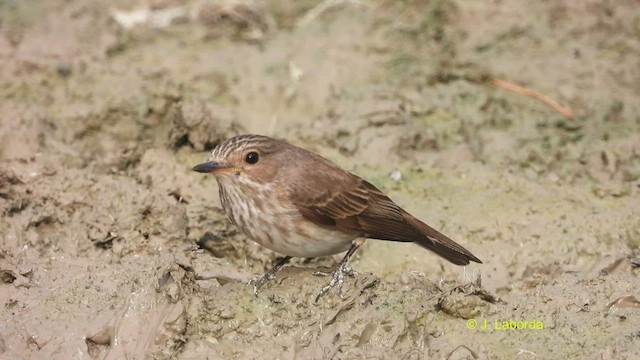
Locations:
(298, 203)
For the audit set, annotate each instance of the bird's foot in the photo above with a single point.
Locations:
(337, 278)
(258, 281)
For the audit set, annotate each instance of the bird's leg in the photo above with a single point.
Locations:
(337, 276)
(258, 281)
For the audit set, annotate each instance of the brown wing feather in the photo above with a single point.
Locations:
(385, 220)
(352, 205)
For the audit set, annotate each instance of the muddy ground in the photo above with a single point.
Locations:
(105, 106)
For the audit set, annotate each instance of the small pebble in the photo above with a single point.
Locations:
(395, 175)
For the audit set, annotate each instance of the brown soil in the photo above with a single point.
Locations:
(101, 119)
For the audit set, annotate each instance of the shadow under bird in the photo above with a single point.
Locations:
(298, 203)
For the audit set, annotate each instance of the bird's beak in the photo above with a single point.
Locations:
(212, 167)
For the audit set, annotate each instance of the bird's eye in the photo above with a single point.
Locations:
(252, 157)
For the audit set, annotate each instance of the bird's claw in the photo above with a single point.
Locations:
(258, 281)
(337, 278)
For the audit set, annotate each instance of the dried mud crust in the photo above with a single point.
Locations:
(106, 106)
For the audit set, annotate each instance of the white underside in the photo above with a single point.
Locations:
(315, 242)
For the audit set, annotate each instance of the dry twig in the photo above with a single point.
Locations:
(565, 111)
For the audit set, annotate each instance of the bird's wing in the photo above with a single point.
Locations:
(353, 205)
(350, 206)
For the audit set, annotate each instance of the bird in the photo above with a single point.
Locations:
(300, 204)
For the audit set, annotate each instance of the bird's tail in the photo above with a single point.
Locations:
(441, 244)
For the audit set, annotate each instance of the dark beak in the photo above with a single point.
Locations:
(210, 167)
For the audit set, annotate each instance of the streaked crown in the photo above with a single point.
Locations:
(239, 143)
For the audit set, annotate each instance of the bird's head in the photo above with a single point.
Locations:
(252, 157)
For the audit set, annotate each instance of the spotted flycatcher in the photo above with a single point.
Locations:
(298, 203)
